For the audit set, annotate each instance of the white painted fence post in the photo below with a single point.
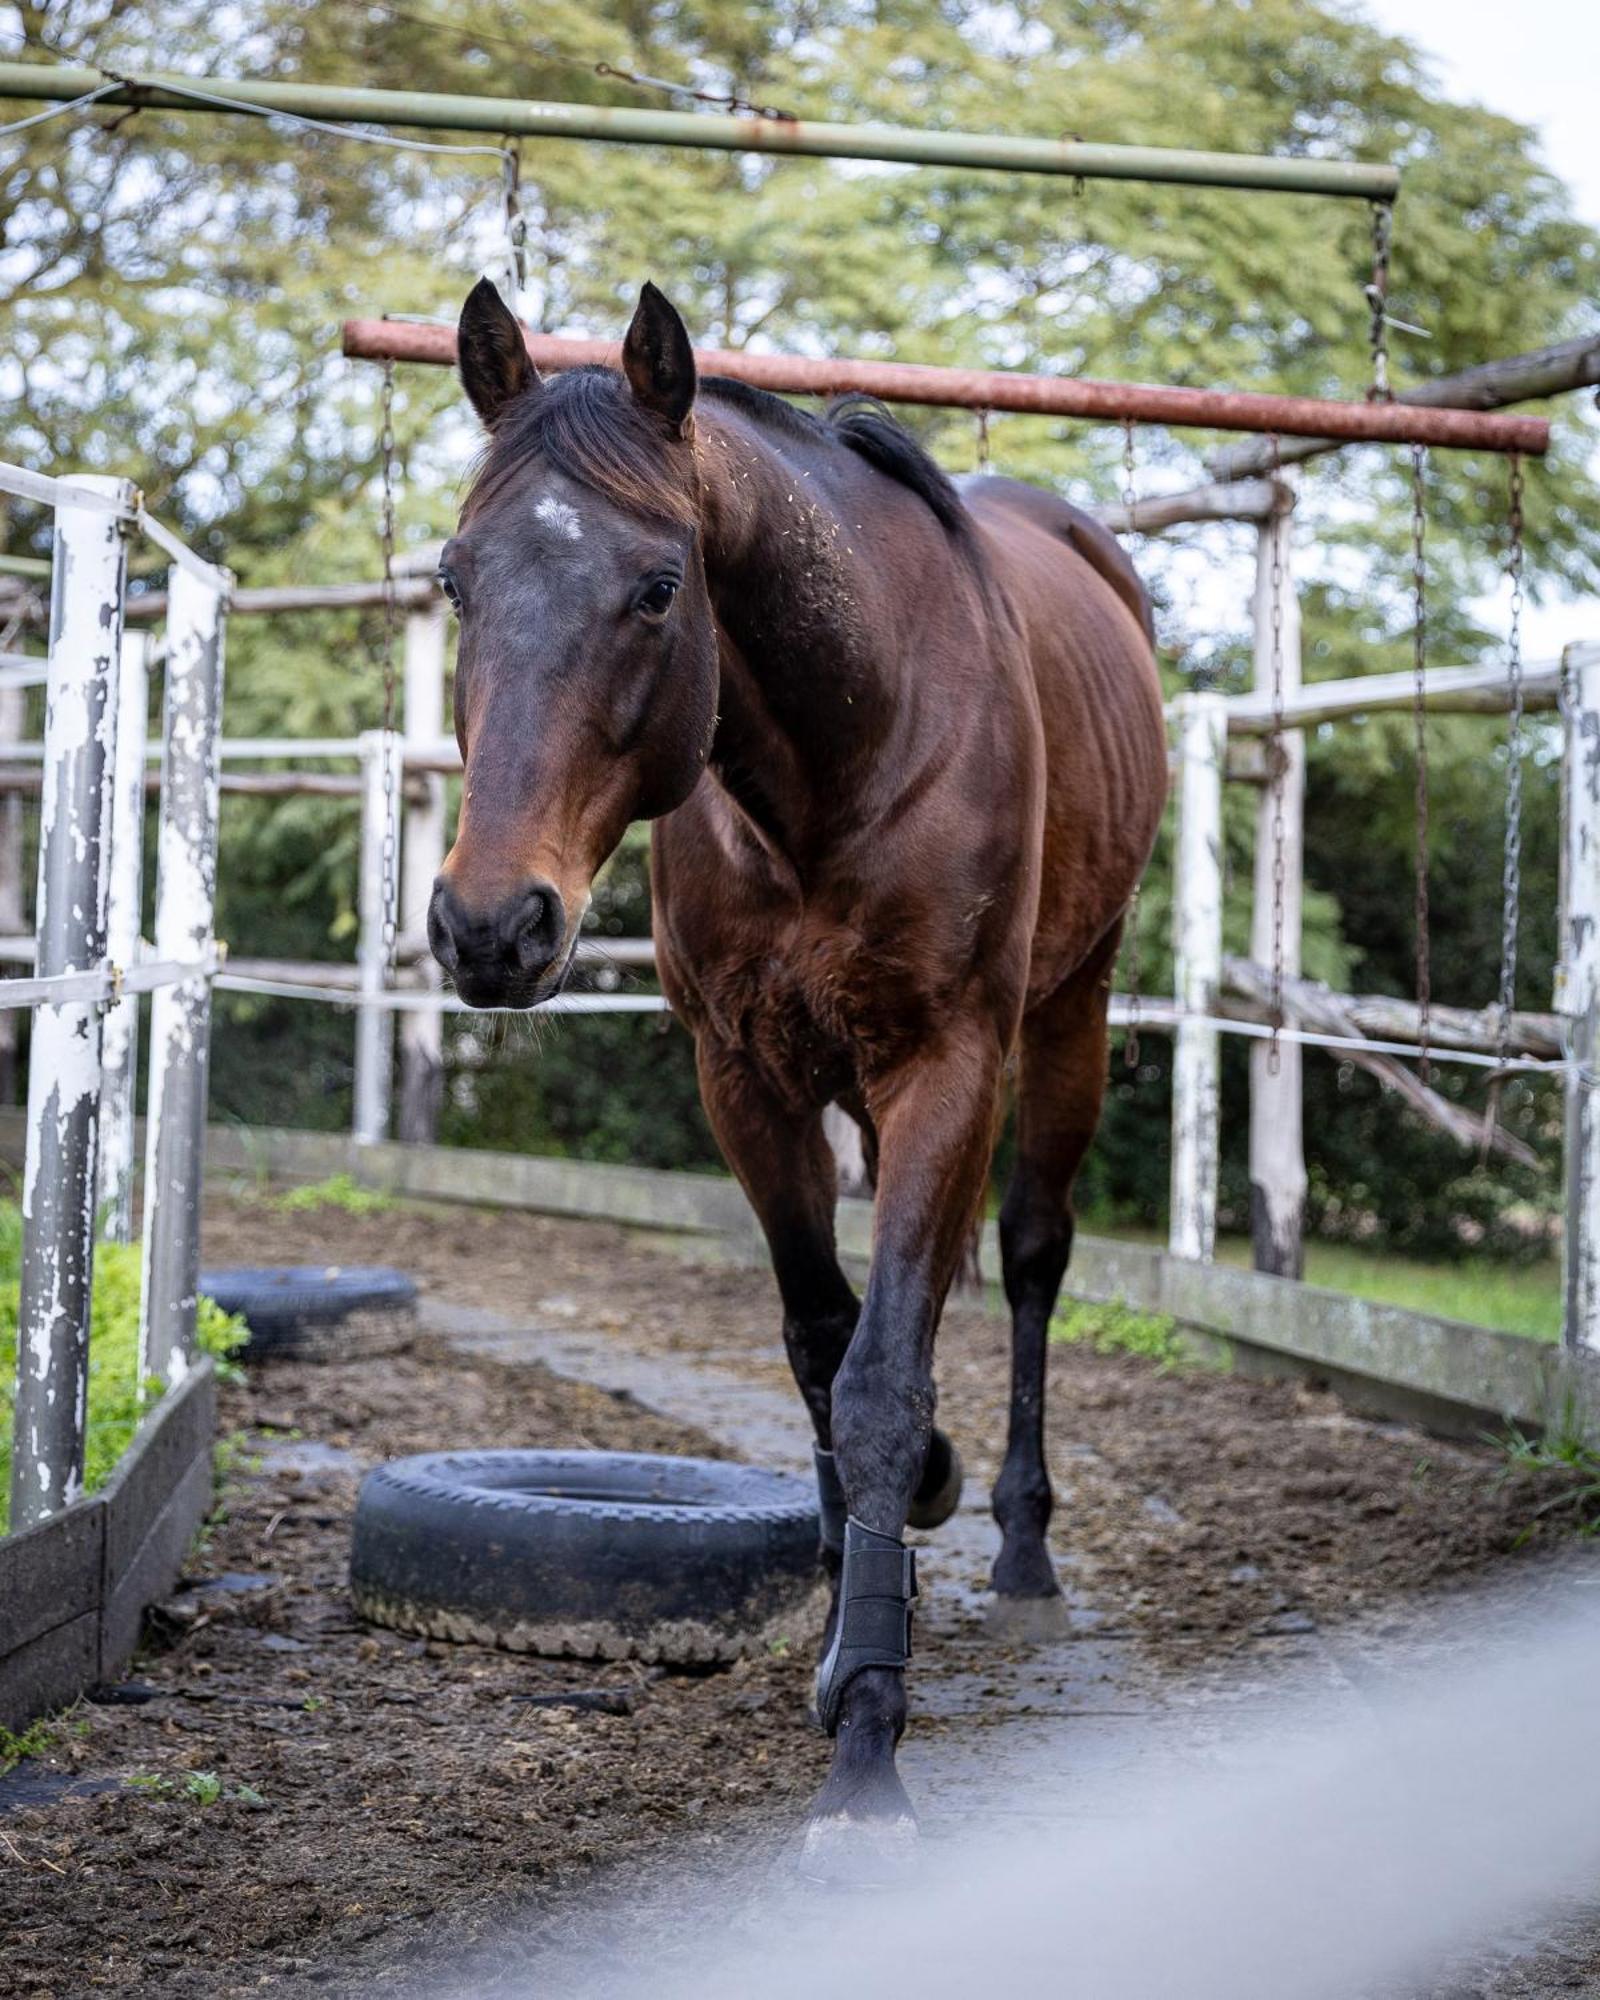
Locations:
(13, 918)
(1578, 991)
(119, 1057)
(180, 1015)
(1277, 1146)
(421, 856)
(1201, 720)
(59, 1180)
(376, 891)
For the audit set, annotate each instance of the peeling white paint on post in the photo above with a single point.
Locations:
(1277, 1147)
(421, 857)
(374, 1023)
(119, 1055)
(180, 1015)
(59, 1179)
(1578, 991)
(13, 710)
(849, 1151)
(1201, 722)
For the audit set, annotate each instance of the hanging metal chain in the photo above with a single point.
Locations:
(1132, 963)
(1277, 528)
(983, 440)
(391, 634)
(1377, 294)
(1130, 935)
(1511, 884)
(516, 224)
(1419, 731)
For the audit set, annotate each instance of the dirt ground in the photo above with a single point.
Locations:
(288, 1791)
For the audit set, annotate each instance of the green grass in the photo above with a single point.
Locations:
(116, 1397)
(1117, 1329)
(341, 1191)
(1511, 1298)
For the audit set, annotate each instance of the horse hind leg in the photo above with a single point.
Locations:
(1058, 1107)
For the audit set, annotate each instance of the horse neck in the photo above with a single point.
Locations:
(811, 667)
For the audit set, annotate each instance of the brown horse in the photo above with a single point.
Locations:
(906, 747)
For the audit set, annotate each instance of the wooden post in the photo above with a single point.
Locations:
(374, 1022)
(843, 1135)
(180, 1015)
(59, 1186)
(421, 854)
(119, 1056)
(1201, 721)
(13, 912)
(1277, 1148)
(1578, 992)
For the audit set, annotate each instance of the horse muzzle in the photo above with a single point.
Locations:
(514, 953)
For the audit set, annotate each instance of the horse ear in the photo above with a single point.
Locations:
(495, 368)
(658, 360)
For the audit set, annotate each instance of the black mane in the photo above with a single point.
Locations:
(586, 424)
(867, 428)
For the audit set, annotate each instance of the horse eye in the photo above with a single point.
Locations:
(657, 600)
(447, 584)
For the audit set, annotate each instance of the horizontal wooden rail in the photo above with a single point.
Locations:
(1001, 389)
(1490, 385)
(1446, 691)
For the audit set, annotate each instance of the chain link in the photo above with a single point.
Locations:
(1512, 872)
(1134, 965)
(1130, 936)
(516, 224)
(983, 440)
(1377, 294)
(1277, 529)
(391, 622)
(1419, 730)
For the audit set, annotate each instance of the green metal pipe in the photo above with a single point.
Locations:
(525, 118)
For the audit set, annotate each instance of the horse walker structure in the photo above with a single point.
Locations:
(90, 967)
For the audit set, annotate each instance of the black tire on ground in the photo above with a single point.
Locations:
(317, 1312)
(589, 1555)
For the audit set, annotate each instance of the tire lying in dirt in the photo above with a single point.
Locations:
(312, 1312)
(589, 1554)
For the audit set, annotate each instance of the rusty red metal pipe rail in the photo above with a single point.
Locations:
(996, 389)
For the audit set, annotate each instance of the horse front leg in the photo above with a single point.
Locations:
(786, 1168)
(936, 1121)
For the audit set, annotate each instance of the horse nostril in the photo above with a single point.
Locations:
(533, 934)
(441, 938)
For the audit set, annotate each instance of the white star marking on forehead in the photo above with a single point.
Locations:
(558, 515)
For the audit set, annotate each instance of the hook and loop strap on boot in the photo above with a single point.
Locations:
(876, 1586)
(831, 1505)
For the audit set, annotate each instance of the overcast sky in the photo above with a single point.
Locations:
(1538, 61)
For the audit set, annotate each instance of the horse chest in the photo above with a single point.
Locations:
(814, 1014)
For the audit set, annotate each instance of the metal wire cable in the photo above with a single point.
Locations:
(57, 110)
(177, 87)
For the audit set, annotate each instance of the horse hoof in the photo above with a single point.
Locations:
(1028, 1618)
(937, 1498)
(843, 1852)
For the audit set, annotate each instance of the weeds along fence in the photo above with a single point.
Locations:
(90, 969)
